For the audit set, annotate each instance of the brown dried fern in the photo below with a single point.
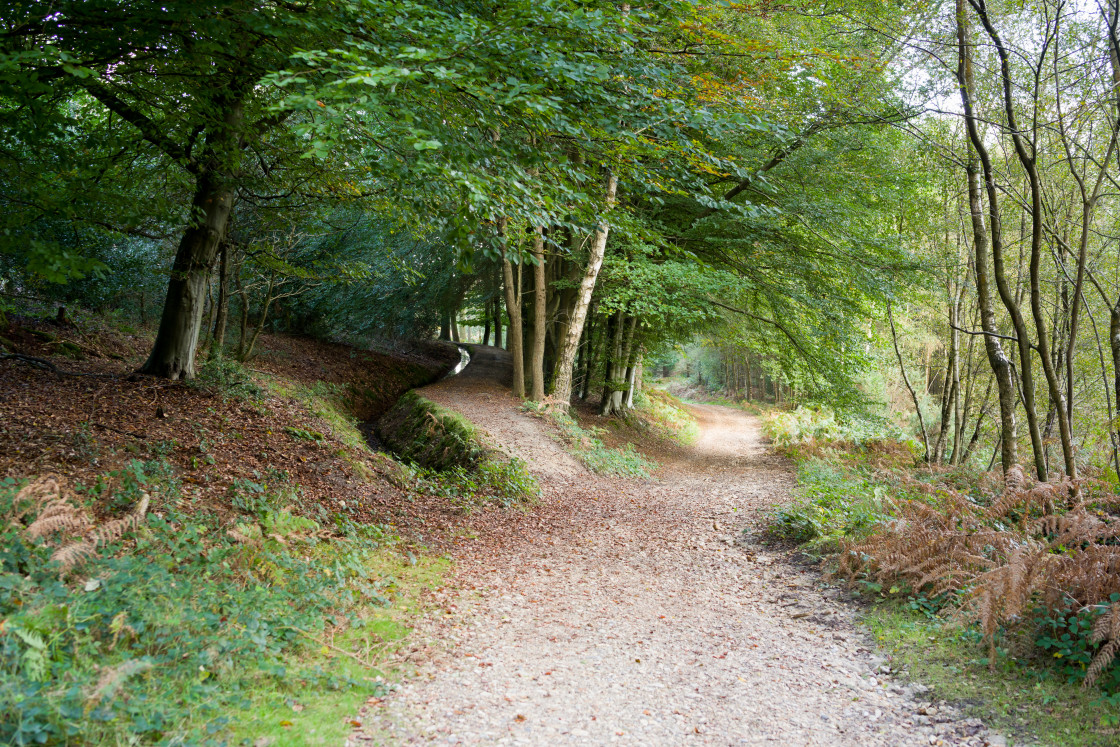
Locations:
(76, 553)
(1008, 557)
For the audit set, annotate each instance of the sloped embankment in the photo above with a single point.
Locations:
(422, 432)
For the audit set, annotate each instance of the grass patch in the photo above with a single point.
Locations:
(326, 716)
(585, 445)
(1029, 704)
(666, 417)
(182, 629)
(832, 503)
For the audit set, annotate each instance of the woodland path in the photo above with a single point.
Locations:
(644, 612)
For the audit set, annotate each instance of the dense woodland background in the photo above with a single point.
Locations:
(901, 217)
(594, 184)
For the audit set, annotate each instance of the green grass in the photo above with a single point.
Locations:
(585, 445)
(667, 417)
(1031, 705)
(326, 716)
(188, 630)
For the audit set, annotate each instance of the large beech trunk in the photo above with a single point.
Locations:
(173, 352)
(562, 389)
(176, 342)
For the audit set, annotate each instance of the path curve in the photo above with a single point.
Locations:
(642, 612)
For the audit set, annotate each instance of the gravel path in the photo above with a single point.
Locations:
(643, 612)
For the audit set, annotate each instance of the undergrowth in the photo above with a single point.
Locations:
(451, 458)
(167, 626)
(587, 446)
(663, 413)
(811, 426)
(831, 505)
(226, 378)
(507, 483)
(1021, 577)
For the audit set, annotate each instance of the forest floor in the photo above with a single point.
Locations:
(644, 611)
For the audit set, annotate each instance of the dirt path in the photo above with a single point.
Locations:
(638, 612)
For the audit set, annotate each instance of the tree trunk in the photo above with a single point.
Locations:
(997, 359)
(176, 343)
(906, 380)
(243, 337)
(246, 351)
(540, 309)
(591, 355)
(562, 390)
(612, 355)
(221, 320)
(173, 352)
(1027, 161)
(486, 324)
(513, 308)
(445, 325)
(622, 348)
(497, 323)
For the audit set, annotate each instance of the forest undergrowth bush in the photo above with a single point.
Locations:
(1031, 570)
(666, 417)
(586, 444)
(813, 426)
(155, 626)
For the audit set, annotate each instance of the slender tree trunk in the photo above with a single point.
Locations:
(497, 322)
(997, 359)
(513, 309)
(979, 422)
(629, 350)
(486, 324)
(592, 355)
(1027, 160)
(242, 339)
(540, 310)
(247, 351)
(612, 361)
(562, 390)
(636, 373)
(906, 381)
(218, 343)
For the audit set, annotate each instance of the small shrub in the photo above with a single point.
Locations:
(597, 456)
(226, 378)
(831, 505)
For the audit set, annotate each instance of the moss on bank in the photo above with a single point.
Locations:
(452, 452)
